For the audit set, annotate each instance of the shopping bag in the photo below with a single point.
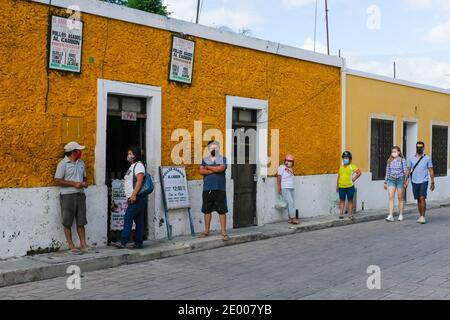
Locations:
(280, 203)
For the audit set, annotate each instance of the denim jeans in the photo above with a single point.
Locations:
(135, 212)
(288, 195)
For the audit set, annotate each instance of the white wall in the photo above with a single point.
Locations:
(31, 218)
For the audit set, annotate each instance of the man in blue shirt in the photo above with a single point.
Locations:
(214, 192)
(420, 168)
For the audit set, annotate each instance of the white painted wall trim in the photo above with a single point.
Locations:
(122, 13)
(397, 81)
(153, 124)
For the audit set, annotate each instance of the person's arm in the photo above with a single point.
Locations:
(358, 174)
(388, 172)
(216, 169)
(433, 186)
(337, 183)
(204, 171)
(279, 183)
(137, 187)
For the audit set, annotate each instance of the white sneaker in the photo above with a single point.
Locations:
(390, 218)
(421, 220)
(400, 217)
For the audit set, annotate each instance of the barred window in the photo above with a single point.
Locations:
(382, 140)
(440, 150)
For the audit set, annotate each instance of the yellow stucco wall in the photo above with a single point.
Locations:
(31, 118)
(367, 97)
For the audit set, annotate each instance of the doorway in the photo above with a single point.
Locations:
(125, 127)
(243, 170)
(410, 133)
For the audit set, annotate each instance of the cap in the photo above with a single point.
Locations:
(73, 146)
(347, 154)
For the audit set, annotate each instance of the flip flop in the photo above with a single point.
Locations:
(225, 237)
(89, 250)
(341, 217)
(203, 235)
(75, 252)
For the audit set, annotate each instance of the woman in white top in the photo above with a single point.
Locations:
(134, 178)
(286, 186)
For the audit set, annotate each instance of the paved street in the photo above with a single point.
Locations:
(325, 264)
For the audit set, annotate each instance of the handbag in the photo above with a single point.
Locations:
(147, 186)
(280, 203)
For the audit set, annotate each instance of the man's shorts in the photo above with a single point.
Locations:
(215, 200)
(348, 193)
(73, 206)
(420, 190)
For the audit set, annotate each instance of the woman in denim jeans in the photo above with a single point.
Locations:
(395, 182)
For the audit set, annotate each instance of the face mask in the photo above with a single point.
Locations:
(130, 158)
(346, 161)
(395, 154)
(77, 155)
(419, 150)
(213, 152)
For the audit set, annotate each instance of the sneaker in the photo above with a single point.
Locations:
(421, 220)
(400, 217)
(390, 218)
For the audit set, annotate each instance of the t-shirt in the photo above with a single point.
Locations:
(346, 175)
(214, 181)
(287, 177)
(420, 174)
(129, 177)
(71, 171)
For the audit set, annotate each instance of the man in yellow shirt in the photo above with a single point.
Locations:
(348, 174)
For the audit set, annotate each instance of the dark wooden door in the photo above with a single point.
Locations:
(243, 174)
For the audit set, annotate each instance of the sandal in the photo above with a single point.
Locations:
(341, 217)
(352, 218)
(117, 245)
(295, 222)
(203, 235)
(225, 237)
(75, 252)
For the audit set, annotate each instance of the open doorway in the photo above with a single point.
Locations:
(125, 127)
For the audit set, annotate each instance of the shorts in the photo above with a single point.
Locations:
(214, 200)
(420, 190)
(397, 183)
(348, 193)
(73, 206)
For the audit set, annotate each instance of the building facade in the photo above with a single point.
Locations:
(285, 94)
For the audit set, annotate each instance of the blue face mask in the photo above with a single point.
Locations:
(346, 161)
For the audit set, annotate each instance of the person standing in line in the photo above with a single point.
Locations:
(71, 177)
(347, 176)
(214, 194)
(420, 170)
(395, 182)
(286, 187)
(134, 179)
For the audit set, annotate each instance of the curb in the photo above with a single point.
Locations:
(48, 266)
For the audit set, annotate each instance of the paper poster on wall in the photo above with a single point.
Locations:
(65, 44)
(175, 187)
(182, 60)
(119, 204)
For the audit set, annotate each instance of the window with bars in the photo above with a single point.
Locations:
(381, 142)
(440, 150)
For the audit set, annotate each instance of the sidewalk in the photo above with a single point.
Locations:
(52, 265)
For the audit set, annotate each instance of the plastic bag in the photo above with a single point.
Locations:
(280, 203)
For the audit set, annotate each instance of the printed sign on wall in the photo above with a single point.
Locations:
(65, 44)
(182, 60)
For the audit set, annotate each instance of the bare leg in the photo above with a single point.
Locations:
(350, 208)
(391, 200)
(223, 223)
(82, 235)
(401, 200)
(422, 206)
(341, 207)
(68, 234)
(207, 222)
